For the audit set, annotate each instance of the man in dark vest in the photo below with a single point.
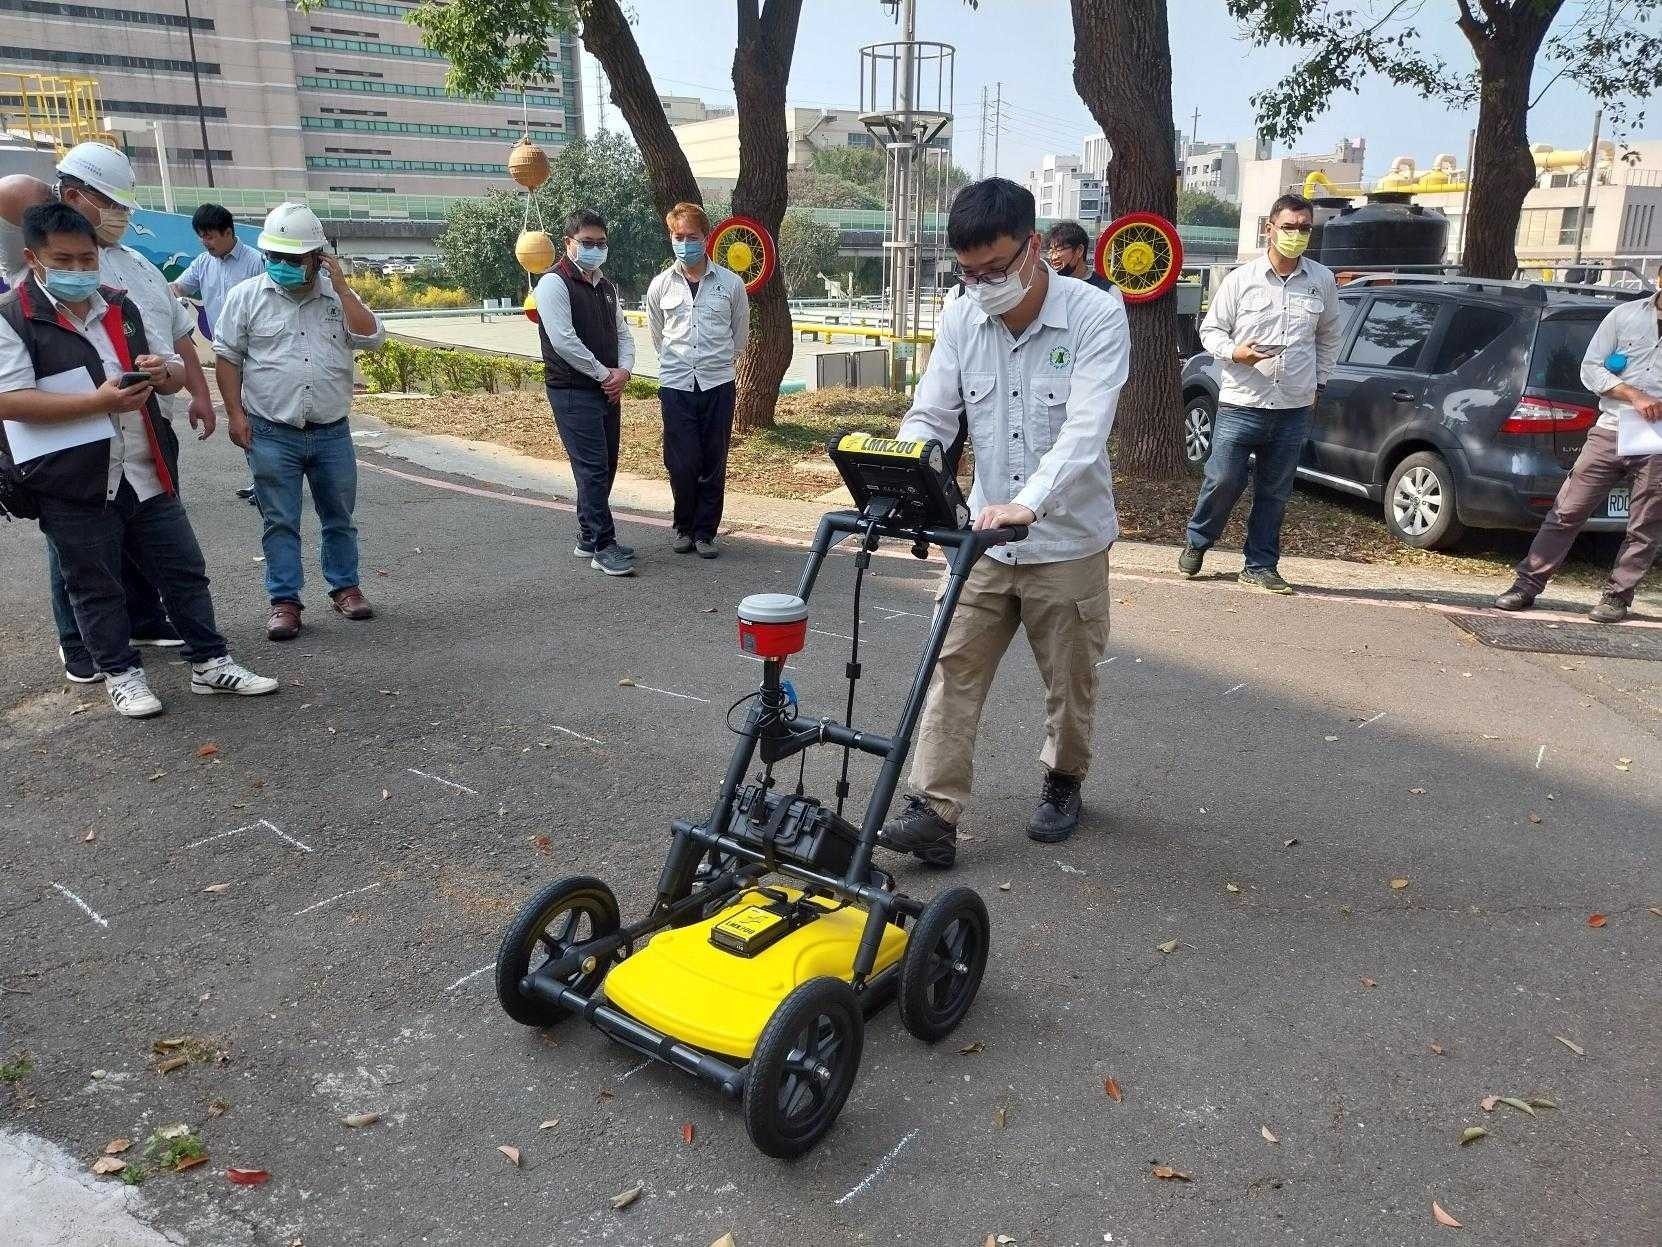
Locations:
(587, 354)
(87, 452)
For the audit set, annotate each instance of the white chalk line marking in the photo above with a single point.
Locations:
(1106, 661)
(469, 976)
(822, 632)
(877, 1172)
(683, 696)
(1364, 723)
(210, 839)
(1539, 756)
(438, 780)
(81, 905)
(283, 835)
(555, 727)
(624, 1077)
(1236, 689)
(338, 896)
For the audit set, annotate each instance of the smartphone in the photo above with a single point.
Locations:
(128, 380)
(1269, 348)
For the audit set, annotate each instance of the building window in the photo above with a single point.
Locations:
(221, 154)
(454, 167)
(366, 47)
(1569, 233)
(155, 64)
(315, 83)
(416, 127)
(363, 190)
(400, 11)
(143, 108)
(102, 13)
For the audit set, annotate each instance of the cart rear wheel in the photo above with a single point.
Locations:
(803, 1067)
(945, 957)
(560, 917)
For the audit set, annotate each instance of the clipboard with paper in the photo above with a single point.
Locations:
(27, 442)
(1637, 436)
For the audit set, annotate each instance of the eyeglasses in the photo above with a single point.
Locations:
(991, 276)
(1294, 229)
(1061, 253)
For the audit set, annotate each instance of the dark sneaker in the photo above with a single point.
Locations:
(163, 636)
(584, 550)
(1265, 578)
(246, 493)
(613, 561)
(920, 831)
(1190, 560)
(1611, 609)
(707, 549)
(683, 543)
(1515, 599)
(1058, 812)
(79, 669)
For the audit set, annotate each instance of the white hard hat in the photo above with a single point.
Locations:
(103, 168)
(292, 229)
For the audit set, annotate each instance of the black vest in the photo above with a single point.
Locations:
(593, 317)
(82, 473)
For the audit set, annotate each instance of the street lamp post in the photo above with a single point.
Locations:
(196, 77)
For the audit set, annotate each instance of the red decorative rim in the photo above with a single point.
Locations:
(1133, 231)
(752, 234)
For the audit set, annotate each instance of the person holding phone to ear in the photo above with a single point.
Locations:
(1274, 326)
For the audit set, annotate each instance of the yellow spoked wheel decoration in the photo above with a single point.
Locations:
(744, 246)
(1141, 254)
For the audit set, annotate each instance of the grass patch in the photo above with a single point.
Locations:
(173, 1147)
(16, 1069)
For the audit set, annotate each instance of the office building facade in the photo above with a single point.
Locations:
(342, 97)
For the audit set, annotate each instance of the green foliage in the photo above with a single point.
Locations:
(167, 1147)
(640, 387)
(495, 45)
(807, 188)
(807, 248)
(1198, 208)
(854, 177)
(395, 293)
(404, 368)
(14, 1070)
(396, 366)
(605, 174)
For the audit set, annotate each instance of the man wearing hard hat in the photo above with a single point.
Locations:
(284, 344)
(97, 181)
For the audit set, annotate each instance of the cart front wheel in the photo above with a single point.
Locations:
(803, 1067)
(555, 920)
(945, 958)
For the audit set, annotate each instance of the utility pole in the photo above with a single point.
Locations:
(998, 124)
(981, 153)
(1194, 134)
(1466, 191)
(196, 77)
(1587, 186)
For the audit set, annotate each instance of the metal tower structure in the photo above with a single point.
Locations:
(905, 104)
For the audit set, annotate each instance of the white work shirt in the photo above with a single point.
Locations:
(553, 303)
(294, 350)
(130, 454)
(697, 337)
(166, 320)
(1301, 311)
(1040, 409)
(1631, 329)
(210, 278)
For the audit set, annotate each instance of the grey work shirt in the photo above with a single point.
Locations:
(294, 350)
(697, 336)
(166, 320)
(1040, 409)
(1301, 311)
(1633, 329)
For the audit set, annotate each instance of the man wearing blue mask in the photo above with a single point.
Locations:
(284, 346)
(699, 315)
(587, 354)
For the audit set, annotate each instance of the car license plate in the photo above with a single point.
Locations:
(1616, 506)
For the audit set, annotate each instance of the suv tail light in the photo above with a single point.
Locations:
(1542, 415)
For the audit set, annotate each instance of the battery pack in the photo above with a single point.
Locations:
(746, 932)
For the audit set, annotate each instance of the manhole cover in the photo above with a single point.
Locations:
(1575, 640)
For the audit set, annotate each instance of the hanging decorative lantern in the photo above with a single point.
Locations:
(528, 164)
(530, 306)
(535, 251)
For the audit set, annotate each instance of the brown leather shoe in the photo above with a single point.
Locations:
(284, 624)
(352, 603)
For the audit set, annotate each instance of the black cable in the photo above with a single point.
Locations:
(861, 562)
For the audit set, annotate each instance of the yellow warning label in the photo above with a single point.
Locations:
(749, 922)
(865, 443)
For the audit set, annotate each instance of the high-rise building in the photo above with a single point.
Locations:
(1064, 189)
(342, 97)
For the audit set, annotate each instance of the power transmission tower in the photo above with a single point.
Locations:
(998, 125)
(981, 154)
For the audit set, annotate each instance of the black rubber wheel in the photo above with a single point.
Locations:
(1200, 415)
(945, 957)
(1420, 503)
(564, 914)
(803, 1067)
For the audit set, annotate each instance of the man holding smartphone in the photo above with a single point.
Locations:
(1274, 326)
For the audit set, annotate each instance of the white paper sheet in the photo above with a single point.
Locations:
(31, 441)
(1637, 436)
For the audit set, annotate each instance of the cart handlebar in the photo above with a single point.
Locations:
(854, 522)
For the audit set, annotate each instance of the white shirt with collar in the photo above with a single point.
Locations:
(1301, 311)
(165, 318)
(130, 454)
(698, 336)
(553, 304)
(1633, 329)
(210, 277)
(1040, 409)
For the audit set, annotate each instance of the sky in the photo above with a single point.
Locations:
(1028, 46)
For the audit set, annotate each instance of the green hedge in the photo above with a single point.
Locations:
(402, 367)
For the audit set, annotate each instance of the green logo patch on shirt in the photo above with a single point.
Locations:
(1060, 357)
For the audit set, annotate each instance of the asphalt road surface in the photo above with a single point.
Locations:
(1267, 767)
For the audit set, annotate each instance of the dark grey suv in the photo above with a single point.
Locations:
(1456, 403)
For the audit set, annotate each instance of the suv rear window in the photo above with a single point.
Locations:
(1555, 363)
(1394, 333)
(1470, 329)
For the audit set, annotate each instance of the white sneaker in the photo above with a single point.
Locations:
(222, 675)
(130, 694)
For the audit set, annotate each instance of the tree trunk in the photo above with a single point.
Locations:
(1503, 171)
(1122, 70)
(761, 68)
(608, 38)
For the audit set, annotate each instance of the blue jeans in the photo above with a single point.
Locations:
(589, 425)
(322, 455)
(1276, 436)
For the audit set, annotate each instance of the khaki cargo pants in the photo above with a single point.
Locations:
(1064, 609)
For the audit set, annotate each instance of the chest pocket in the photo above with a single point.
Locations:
(1050, 410)
(978, 389)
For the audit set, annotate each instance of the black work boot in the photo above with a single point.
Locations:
(920, 831)
(1517, 598)
(1058, 812)
(1612, 608)
(1189, 561)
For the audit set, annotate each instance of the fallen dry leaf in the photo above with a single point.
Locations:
(172, 1063)
(1268, 1137)
(208, 750)
(1367, 982)
(1596, 920)
(1540, 1101)
(970, 1049)
(1004, 887)
(726, 1240)
(1231, 887)
(1167, 1174)
(1287, 844)
(1112, 1089)
(89, 837)
(1624, 761)
(191, 1162)
(108, 1164)
(1000, 1116)
(626, 682)
(1398, 885)
(1471, 1134)
(1489, 1102)
(604, 1094)
(1436, 1048)
(218, 1108)
(246, 1177)
(624, 1198)
(216, 887)
(1170, 946)
(116, 1146)
(1512, 1101)
(1442, 1218)
(357, 1121)
(1573, 1047)
(156, 776)
(1418, 792)
(511, 1152)
(1656, 911)
(686, 1132)
(543, 843)
(549, 1124)
(1536, 819)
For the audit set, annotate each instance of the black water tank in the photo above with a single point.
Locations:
(1387, 231)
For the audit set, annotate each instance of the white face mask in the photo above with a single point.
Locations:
(996, 300)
